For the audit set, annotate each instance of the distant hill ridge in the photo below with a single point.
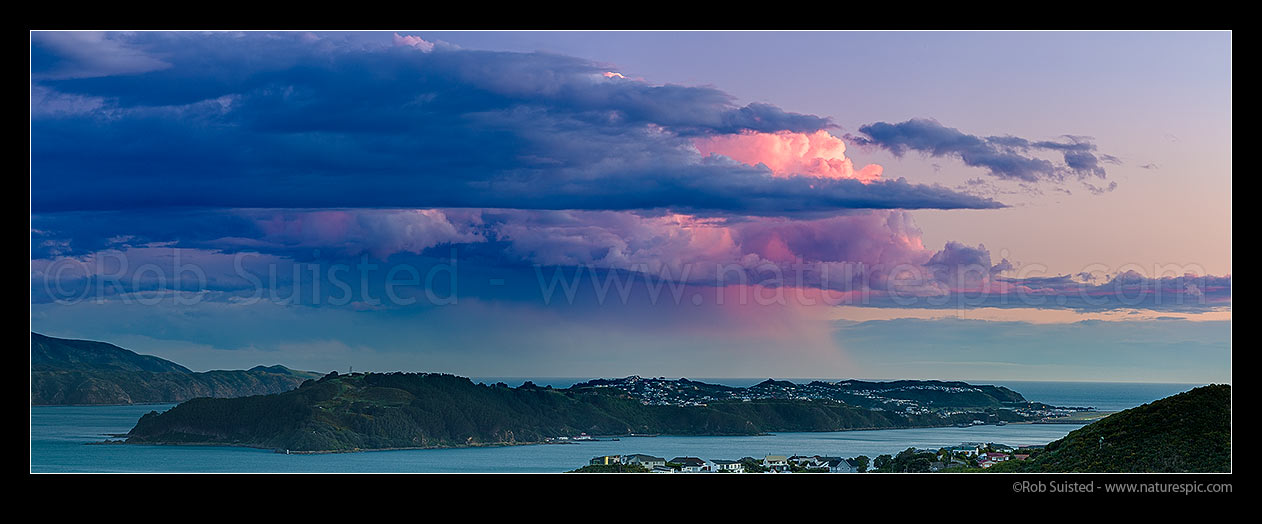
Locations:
(76, 372)
(48, 353)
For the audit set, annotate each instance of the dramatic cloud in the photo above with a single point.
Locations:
(818, 154)
(1006, 157)
(869, 258)
(289, 120)
(298, 148)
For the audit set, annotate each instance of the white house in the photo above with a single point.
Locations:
(726, 466)
(691, 464)
(967, 448)
(777, 463)
(647, 461)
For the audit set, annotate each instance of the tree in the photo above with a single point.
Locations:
(863, 461)
(918, 465)
(611, 468)
(752, 465)
(883, 462)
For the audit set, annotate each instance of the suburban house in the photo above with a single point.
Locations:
(986, 460)
(840, 465)
(967, 455)
(992, 457)
(691, 464)
(648, 461)
(814, 461)
(832, 464)
(967, 448)
(777, 463)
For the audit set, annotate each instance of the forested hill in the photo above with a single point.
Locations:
(65, 371)
(397, 410)
(1189, 432)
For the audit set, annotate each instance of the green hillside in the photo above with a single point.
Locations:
(61, 354)
(393, 410)
(65, 371)
(1188, 432)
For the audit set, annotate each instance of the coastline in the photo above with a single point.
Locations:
(314, 452)
(172, 403)
(509, 444)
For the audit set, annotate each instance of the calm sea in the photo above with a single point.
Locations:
(60, 437)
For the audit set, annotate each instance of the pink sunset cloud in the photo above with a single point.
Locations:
(413, 41)
(786, 153)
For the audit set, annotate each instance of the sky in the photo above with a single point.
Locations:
(929, 205)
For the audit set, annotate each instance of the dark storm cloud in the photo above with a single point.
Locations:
(1004, 156)
(262, 120)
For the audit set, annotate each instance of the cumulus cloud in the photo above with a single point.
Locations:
(817, 154)
(413, 41)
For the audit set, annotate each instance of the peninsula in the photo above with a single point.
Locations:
(367, 411)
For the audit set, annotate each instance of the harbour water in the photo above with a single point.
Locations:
(60, 437)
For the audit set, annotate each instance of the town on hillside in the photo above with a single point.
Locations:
(965, 456)
(962, 403)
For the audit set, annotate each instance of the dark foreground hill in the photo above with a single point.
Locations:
(400, 410)
(1189, 432)
(65, 371)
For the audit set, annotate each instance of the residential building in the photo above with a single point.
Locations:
(814, 461)
(691, 464)
(992, 457)
(777, 463)
(967, 448)
(986, 460)
(840, 465)
(606, 460)
(647, 461)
